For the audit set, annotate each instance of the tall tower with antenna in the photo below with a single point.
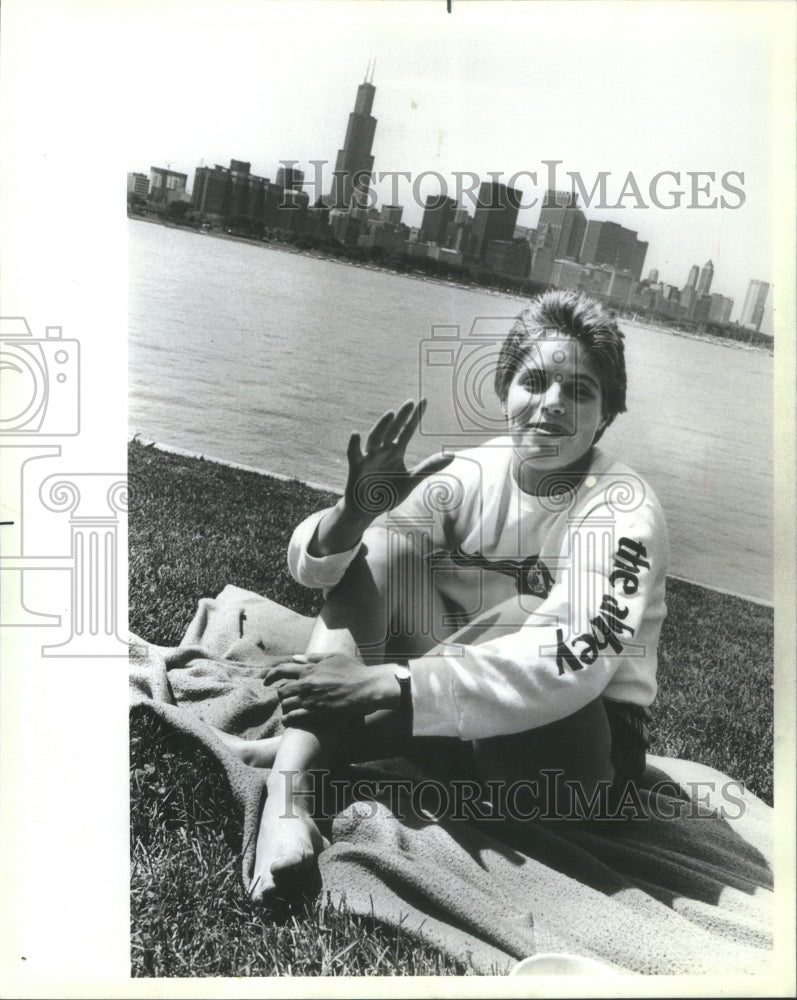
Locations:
(351, 181)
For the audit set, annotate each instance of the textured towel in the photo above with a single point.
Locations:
(671, 890)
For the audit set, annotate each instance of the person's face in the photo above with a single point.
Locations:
(554, 406)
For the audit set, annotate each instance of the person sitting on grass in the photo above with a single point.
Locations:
(505, 612)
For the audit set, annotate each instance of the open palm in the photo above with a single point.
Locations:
(378, 478)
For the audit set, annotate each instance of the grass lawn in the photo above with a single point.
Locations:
(196, 526)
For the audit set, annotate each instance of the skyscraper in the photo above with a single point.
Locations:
(704, 282)
(496, 213)
(753, 309)
(613, 244)
(438, 214)
(561, 225)
(351, 181)
(691, 281)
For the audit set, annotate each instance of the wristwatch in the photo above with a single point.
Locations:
(405, 689)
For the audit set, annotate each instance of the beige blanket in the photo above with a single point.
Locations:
(653, 894)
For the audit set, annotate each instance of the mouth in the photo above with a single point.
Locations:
(549, 430)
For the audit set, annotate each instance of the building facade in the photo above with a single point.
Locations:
(719, 310)
(561, 225)
(438, 214)
(754, 303)
(509, 257)
(391, 214)
(289, 178)
(138, 184)
(601, 281)
(495, 217)
(705, 279)
(613, 244)
(248, 203)
(166, 185)
(351, 181)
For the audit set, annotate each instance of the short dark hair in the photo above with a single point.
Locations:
(570, 314)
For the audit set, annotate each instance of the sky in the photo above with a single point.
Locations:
(623, 88)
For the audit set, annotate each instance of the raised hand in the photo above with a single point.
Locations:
(378, 478)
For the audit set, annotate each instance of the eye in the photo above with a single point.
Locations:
(533, 380)
(583, 390)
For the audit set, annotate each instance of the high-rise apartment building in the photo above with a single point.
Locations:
(754, 301)
(224, 191)
(351, 181)
(438, 214)
(613, 244)
(496, 213)
(138, 184)
(706, 276)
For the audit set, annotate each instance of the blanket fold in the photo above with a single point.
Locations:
(680, 883)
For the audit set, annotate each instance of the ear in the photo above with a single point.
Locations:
(600, 429)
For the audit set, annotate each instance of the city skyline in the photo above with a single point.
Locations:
(562, 226)
(490, 107)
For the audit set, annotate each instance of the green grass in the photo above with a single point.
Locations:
(196, 526)
(189, 913)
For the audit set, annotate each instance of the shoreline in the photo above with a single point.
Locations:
(326, 488)
(451, 282)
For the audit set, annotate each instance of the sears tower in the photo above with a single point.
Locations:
(352, 178)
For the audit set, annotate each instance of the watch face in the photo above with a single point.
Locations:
(23, 383)
(405, 689)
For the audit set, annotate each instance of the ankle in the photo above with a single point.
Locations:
(293, 792)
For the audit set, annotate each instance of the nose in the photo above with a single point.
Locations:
(553, 400)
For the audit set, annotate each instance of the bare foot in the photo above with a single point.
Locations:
(288, 842)
(257, 753)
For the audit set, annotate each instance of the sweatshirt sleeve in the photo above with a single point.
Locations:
(325, 572)
(600, 620)
(322, 572)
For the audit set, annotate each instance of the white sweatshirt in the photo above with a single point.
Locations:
(588, 568)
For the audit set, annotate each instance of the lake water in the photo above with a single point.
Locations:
(270, 358)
